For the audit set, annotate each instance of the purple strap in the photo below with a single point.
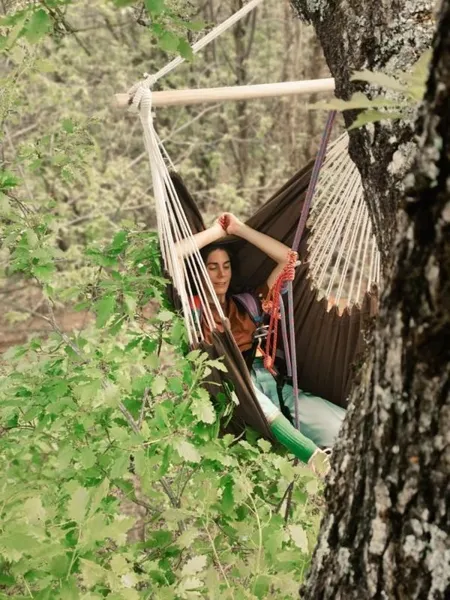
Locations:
(293, 354)
(287, 354)
(295, 244)
(314, 179)
(250, 305)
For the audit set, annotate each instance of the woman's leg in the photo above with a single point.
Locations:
(301, 446)
(319, 419)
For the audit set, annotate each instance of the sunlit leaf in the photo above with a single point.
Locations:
(187, 451)
(194, 565)
(169, 42)
(299, 537)
(185, 49)
(104, 309)
(91, 573)
(158, 385)
(39, 24)
(77, 506)
(373, 116)
(155, 7)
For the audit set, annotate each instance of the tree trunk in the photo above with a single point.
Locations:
(389, 36)
(385, 529)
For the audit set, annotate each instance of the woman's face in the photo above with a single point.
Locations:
(218, 265)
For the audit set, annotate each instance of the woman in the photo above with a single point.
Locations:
(319, 420)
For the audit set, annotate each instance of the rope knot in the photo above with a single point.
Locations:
(271, 305)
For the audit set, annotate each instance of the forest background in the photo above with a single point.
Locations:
(79, 260)
(232, 156)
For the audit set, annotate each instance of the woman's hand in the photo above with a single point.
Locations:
(218, 229)
(231, 224)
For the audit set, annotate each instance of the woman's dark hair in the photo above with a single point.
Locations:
(206, 251)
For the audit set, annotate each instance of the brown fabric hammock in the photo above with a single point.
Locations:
(328, 345)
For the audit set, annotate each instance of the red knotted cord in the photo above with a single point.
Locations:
(271, 305)
(224, 222)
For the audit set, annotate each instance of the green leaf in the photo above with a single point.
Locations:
(18, 541)
(187, 451)
(261, 586)
(175, 385)
(77, 504)
(189, 584)
(202, 408)
(169, 42)
(165, 463)
(227, 496)
(165, 316)
(187, 538)
(68, 125)
(87, 458)
(358, 100)
(155, 7)
(217, 364)
(158, 385)
(69, 589)
(378, 78)
(104, 310)
(7, 580)
(59, 565)
(417, 79)
(91, 573)
(373, 116)
(34, 510)
(98, 495)
(298, 535)
(274, 542)
(264, 445)
(194, 565)
(17, 30)
(194, 25)
(312, 487)
(8, 180)
(39, 24)
(120, 466)
(185, 49)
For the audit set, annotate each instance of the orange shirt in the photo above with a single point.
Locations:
(242, 326)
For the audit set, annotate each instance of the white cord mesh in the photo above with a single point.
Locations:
(173, 228)
(341, 230)
(343, 253)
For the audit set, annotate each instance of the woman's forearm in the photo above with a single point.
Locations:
(276, 250)
(203, 238)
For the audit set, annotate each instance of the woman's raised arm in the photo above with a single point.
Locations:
(203, 238)
(274, 249)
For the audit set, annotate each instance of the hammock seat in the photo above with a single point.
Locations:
(328, 344)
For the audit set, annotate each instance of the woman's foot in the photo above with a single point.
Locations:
(320, 462)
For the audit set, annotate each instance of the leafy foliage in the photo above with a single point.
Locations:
(407, 90)
(116, 483)
(93, 422)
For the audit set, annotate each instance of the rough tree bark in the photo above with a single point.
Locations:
(385, 532)
(387, 35)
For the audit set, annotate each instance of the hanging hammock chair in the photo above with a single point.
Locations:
(338, 254)
(329, 345)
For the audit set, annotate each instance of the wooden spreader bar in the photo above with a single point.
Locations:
(241, 92)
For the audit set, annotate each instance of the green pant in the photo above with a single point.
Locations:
(320, 420)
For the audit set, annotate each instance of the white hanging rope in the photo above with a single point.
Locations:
(150, 80)
(343, 255)
(338, 213)
(173, 229)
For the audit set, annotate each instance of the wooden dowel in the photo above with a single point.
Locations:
(242, 92)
